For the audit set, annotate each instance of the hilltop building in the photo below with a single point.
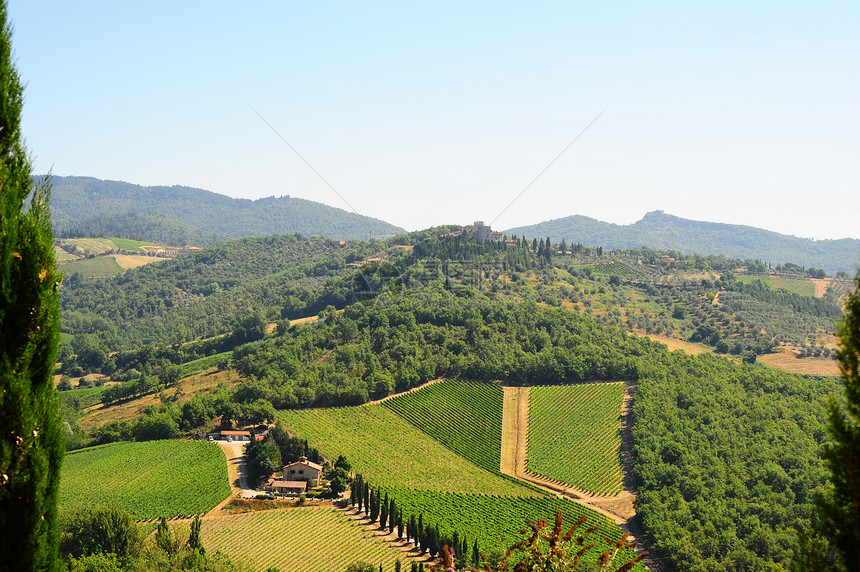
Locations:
(483, 233)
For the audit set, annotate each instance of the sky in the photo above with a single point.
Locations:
(424, 113)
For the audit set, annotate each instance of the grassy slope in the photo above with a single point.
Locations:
(802, 287)
(390, 452)
(465, 417)
(149, 480)
(97, 267)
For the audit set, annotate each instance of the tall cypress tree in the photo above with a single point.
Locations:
(31, 446)
(838, 506)
(383, 513)
(366, 498)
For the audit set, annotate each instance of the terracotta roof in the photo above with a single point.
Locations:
(306, 463)
(289, 484)
(246, 433)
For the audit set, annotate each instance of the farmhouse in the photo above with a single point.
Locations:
(303, 470)
(287, 487)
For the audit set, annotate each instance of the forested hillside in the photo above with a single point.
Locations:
(147, 226)
(87, 206)
(662, 231)
(207, 293)
(725, 453)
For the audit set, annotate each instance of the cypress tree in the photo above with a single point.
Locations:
(397, 565)
(400, 527)
(419, 532)
(366, 499)
(31, 448)
(838, 506)
(392, 516)
(194, 538)
(414, 566)
(476, 555)
(383, 512)
(377, 503)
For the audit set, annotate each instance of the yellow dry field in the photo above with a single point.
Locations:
(127, 261)
(787, 361)
(674, 343)
(99, 415)
(299, 538)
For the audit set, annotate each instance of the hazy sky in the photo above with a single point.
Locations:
(442, 112)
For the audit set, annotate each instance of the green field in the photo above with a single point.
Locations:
(390, 452)
(802, 287)
(306, 538)
(149, 480)
(465, 417)
(128, 244)
(83, 397)
(202, 364)
(575, 435)
(98, 267)
(61, 255)
(495, 522)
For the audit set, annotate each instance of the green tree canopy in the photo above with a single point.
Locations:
(31, 444)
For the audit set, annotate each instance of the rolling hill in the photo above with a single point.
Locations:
(663, 231)
(87, 205)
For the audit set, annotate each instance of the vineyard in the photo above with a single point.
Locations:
(802, 287)
(391, 452)
(307, 538)
(495, 521)
(465, 417)
(97, 267)
(149, 480)
(575, 435)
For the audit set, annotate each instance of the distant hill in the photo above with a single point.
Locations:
(142, 226)
(195, 216)
(666, 232)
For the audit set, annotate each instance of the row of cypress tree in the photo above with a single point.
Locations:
(427, 538)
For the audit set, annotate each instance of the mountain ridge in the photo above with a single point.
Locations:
(659, 230)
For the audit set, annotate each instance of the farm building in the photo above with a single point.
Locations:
(303, 470)
(234, 436)
(287, 487)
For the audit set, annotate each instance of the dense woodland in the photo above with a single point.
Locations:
(85, 205)
(145, 226)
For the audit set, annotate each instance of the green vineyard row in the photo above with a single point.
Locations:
(465, 417)
(575, 435)
(390, 451)
(306, 538)
(149, 480)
